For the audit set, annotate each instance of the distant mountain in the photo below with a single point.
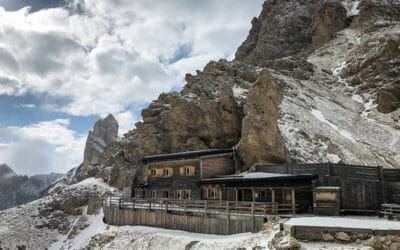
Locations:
(17, 189)
(6, 172)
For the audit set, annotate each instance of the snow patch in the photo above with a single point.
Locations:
(321, 118)
(334, 158)
(239, 92)
(352, 7)
(357, 98)
(91, 182)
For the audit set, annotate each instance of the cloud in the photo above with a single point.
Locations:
(27, 105)
(97, 57)
(42, 147)
(112, 54)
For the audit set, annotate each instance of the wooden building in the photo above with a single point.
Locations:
(289, 192)
(178, 175)
(362, 188)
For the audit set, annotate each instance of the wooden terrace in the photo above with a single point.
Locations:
(202, 207)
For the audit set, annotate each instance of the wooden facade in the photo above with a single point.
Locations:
(292, 192)
(363, 188)
(178, 176)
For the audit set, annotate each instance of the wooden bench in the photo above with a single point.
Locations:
(392, 211)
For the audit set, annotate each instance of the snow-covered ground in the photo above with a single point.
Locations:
(345, 222)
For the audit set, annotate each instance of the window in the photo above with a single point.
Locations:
(153, 172)
(186, 194)
(213, 193)
(182, 194)
(188, 171)
(153, 194)
(263, 194)
(178, 194)
(168, 172)
(165, 194)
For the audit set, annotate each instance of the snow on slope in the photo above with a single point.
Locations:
(324, 119)
(28, 225)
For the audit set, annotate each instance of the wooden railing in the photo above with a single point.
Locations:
(392, 211)
(201, 206)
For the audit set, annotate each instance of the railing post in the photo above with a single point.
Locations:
(252, 217)
(120, 203)
(205, 208)
(149, 205)
(184, 206)
(228, 218)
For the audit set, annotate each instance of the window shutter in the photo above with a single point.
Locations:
(171, 171)
(192, 170)
(148, 172)
(160, 172)
(182, 171)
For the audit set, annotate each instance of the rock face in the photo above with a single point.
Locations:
(104, 132)
(261, 140)
(331, 17)
(16, 189)
(283, 29)
(315, 81)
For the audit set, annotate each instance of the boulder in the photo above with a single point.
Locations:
(342, 236)
(374, 242)
(327, 237)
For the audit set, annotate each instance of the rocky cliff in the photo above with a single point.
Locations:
(315, 81)
(104, 132)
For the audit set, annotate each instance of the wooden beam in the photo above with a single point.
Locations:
(293, 201)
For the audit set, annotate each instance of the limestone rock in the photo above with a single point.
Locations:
(331, 17)
(394, 246)
(327, 237)
(261, 140)
(374, 242)
(283, 29)
(368, 248)
(104, 132)
(342, 236)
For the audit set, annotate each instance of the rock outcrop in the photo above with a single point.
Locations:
(283, 29)
(261, 140)
(104, 132)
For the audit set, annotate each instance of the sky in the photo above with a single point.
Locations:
(64, 64)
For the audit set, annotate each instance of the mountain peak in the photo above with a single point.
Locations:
(6, 171)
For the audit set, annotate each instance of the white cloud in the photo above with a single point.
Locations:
(42, 147)
(117, 53)
(112, 56)
(28, 105)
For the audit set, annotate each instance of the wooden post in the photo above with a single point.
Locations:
(220, 195)
(228, 218)
(293, 201)
(273, 200)
(236, 194)
(252, 218)
(253, 194)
